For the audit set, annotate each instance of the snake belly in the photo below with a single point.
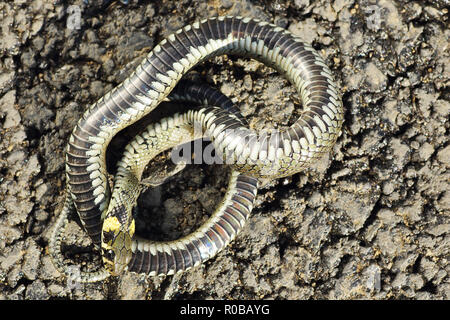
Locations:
(121, 250)
(287, 151)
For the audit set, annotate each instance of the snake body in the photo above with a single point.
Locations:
(121, 250)
(277, 154)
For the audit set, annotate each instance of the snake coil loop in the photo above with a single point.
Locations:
(277, 154)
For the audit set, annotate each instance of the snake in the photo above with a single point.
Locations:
(273, 155)
(121, 250)
(118, 229)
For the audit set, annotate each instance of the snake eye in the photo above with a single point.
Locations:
(109, 254)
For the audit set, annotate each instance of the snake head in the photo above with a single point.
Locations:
(116, 245)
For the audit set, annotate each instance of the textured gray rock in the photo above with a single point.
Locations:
(369, 221)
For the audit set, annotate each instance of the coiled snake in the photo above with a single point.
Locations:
(270, 155)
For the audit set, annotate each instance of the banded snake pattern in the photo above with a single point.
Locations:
(124, 251)
(157, 258)
(272, 155)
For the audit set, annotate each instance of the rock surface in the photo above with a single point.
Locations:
(372, 220)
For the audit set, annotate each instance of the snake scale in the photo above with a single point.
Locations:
(272, 155)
